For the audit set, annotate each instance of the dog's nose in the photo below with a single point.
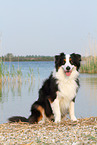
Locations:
(68, 68)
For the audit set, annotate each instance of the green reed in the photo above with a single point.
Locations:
(0, 71)
(14, 79)
(90, 65)
(8, 74)
(90, 59)
(0, 78)
(30, 73)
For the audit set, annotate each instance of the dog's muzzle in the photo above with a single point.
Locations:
(68, 71)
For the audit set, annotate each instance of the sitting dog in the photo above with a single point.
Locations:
(58, 92)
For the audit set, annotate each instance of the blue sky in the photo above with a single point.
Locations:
(47, 27)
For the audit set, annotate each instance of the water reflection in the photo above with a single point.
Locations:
(90, 86)
(86, 101)
(15, 88)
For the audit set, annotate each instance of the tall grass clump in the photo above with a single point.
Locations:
(89, 62)
(11, 74)
(0, 77)
(90, 65)
(0, 74)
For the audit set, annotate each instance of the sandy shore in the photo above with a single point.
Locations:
(82, 132)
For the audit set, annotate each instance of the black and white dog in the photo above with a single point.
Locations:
(58, 93)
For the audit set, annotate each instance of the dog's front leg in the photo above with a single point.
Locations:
(56, 110)
(71, 111)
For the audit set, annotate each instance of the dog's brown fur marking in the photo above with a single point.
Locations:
(41, 110)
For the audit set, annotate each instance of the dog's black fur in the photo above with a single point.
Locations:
(47, 94)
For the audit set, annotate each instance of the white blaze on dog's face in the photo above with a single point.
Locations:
(67, 65)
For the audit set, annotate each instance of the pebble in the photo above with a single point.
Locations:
(81, 132)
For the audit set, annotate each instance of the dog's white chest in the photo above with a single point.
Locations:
(67, 87)
(66, 93)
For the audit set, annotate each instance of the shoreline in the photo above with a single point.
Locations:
(82, 131)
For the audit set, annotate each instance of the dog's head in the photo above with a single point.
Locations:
(67, 62)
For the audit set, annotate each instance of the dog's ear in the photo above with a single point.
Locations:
(56, 58)
(76, 60)
(62, 54)
(77, 56)
(57, 61)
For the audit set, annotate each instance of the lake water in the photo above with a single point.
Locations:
(16, 97)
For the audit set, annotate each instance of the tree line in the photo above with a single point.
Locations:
(11, 57)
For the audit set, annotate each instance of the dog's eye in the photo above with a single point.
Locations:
(64, 61)
(70, 60)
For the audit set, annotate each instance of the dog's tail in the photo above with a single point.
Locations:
(37, 113)
(17, 119)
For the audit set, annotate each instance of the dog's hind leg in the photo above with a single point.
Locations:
(37, 114)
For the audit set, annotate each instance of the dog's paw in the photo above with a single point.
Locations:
(73, 118)
(57, 120)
